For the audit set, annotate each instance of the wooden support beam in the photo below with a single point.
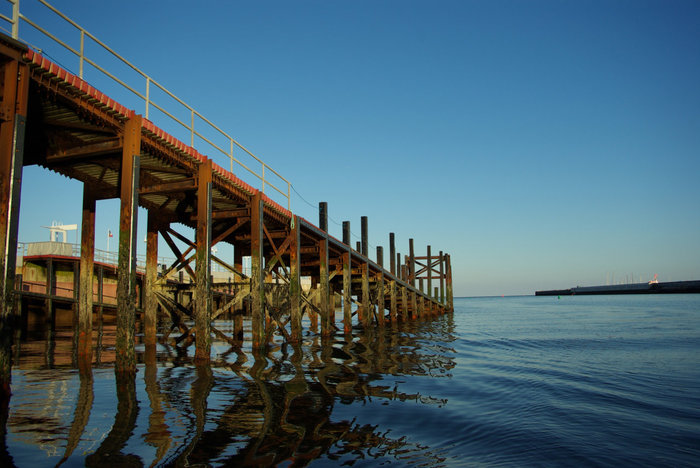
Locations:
(393, 309)
(325, 297)
(89, 152)
(202, 295)
(171, 187)
(442, 278)
(421, 306)
(257, 276)
(450, 299)
(87, 261)
(347, 289)
(365, 238)
(380, 298)
(227, 214)
(151, 277)
(366, 316)
(429, 263)
(13, 116)
(323, 216)
(404, 301)
(411, 264)
(392, 253)
(346, 233)
(295, 280)
(126, 272)
(414, 305)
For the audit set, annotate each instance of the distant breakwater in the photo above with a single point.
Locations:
(670, 287)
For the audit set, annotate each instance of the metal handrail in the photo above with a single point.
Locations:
(111, 257)
(146, 97)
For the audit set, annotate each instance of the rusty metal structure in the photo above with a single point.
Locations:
(55, 119)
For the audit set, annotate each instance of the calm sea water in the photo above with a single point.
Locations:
(525, 381)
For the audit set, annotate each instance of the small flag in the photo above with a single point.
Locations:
(109, 233)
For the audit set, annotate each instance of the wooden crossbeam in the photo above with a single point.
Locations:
(237, 299)
(171, 187)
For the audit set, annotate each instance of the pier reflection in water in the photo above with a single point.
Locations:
(364, 396)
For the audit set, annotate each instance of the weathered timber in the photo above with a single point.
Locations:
(295, 307)
(203, 305)
(126, 278)
(87, 256)
(257, 278)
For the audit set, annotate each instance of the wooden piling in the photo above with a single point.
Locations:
(393, 306)
(411, 264)
(87, 260)
(202, 306)
(442, 278)
(448, 273)
(366, 316)
(429, 265)
(323, 216)
(365, 241)
(150, 313)
(392, 253)
(15, 90)
(126, 271)
(404, 299)
(257, 274)
(295, 280)
(325, 292)
(347, 280)
(380, 286)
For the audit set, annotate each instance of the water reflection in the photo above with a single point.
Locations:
(290, 405)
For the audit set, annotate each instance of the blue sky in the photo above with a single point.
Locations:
(543, 144)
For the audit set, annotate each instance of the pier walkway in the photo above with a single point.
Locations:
(55, 119)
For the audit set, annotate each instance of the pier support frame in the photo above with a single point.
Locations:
(126, 275)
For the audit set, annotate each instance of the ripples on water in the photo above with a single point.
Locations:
(598, 381)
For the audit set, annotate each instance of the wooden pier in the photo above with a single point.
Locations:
(52, 118)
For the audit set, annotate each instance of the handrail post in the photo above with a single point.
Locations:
(192, 127)
(15, 19)
(231, 155)
(82, 51)
(289, 197)
(148, 94)
(263, 178)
